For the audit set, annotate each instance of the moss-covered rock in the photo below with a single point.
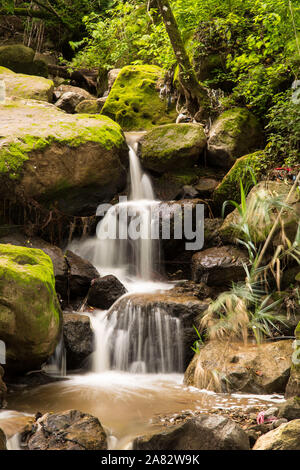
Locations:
(172, 146)
(235, 132)
(26, 86)
(293, 386)
(89, 107)
(20, 59)
(259, 222)
(30, 318)
(134, 100)
(286, 437)
(256, 163)
(73, 161)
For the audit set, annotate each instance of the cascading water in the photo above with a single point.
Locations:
(132, 337)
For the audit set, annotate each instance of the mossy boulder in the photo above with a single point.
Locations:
(257, 164)
(26, 86)
(30, 319)
(20, 59)
(259, 221)
(71, 161)
(235, 133)
(286, 437)
(134, 100)
(89, 107)
(293, 386)
(172, 146)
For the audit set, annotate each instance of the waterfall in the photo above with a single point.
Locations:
(137, 338)
(132, 337)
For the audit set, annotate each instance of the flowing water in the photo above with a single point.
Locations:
(138, 362)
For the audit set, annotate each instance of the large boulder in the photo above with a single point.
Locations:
(105, 291)
(232, 367)
(68, 430)
(30, 318)
(293, 386)
(78, 338)
(26, 86)
(219, 266)
(202, 433)
(2, 440)
(172, 146)
(235, 132)
(257, 163)
(70, 161)
(290, 409)
(286, 437)
(21, 59)
(260, 225)
(134, 100)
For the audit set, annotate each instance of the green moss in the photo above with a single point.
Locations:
(4, 70)
(229, 188)
(88, 107)
(134, 100)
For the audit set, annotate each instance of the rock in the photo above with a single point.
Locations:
(290, 409)
(252, 368)
(206, 186)
(81, 274)
(26, 86)
(81, 92)
(219, 266)
(60, 266)
(90, 106)
(21, 59)
(3, 389)
(134, 100)
(271, 412)
(235, 133)
(112, 77)
(279, 422)
(2, 440)
(104, 292)
(70, 161)
(30, 318)
(229, 188)
(259, 228)
(293, 386)
(68, 102)
(286, 437)
(68, 430)
(78, 339)
(202, 433)
(172, 146)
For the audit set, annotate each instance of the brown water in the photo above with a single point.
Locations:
(127, 405)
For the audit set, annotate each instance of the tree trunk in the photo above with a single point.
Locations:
(197, 99)
(44, 15)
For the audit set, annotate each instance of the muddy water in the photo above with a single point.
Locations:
(127, 405)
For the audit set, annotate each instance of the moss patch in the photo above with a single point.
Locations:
(29, 309)
(134, 101)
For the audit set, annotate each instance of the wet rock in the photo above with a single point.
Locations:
(286, 437)
(236, 132)
(81, 274)
(219, 266)
(2, 387)
(206, 186)
(104, 292)
(78, 339)
(202, 433)
(252, 368)
(2, 440)
(290, 409)
(172, 146)
(68, 101)
(30, 317)
(69, 430)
